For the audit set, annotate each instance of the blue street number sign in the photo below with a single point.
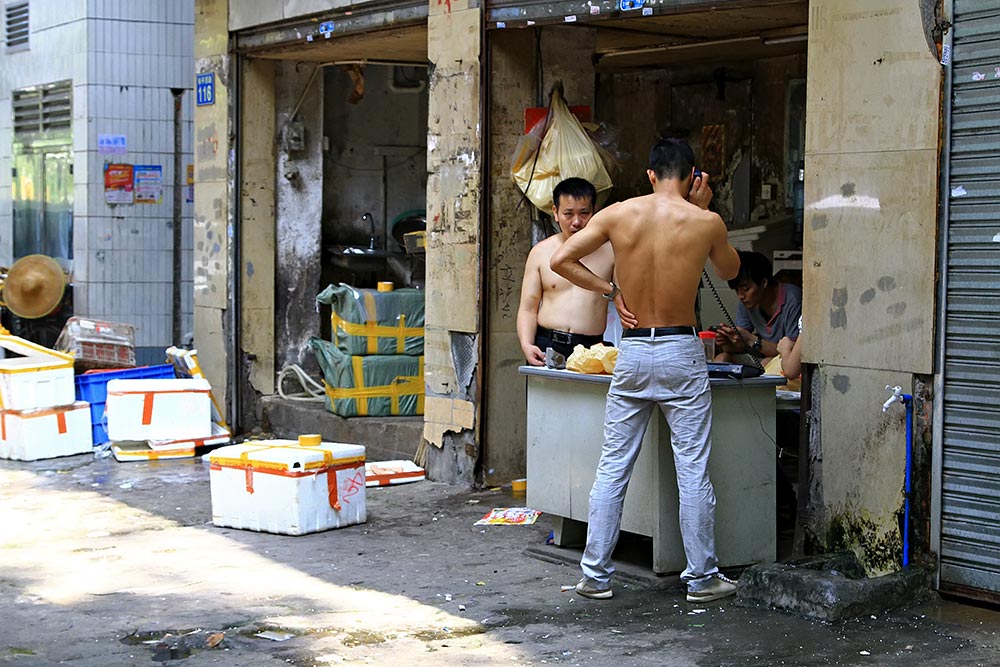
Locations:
(205, 87)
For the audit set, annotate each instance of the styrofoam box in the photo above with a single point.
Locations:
(29, 435)
(220, 436)
(159, 409)
(141, 451)
(279, 486)
(387, 473)
(38, 378)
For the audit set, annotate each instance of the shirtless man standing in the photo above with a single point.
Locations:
(554, 312)
(661, 243)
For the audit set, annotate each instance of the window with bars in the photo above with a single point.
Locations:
(43, 109)
(16, 25)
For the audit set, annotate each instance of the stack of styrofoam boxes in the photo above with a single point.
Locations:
(288, 487)
(39, 418)
(158, 419)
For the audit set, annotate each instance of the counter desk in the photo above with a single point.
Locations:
(565, 433)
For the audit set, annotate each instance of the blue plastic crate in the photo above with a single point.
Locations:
(93, 388)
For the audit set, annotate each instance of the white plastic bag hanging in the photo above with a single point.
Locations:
(565, 151)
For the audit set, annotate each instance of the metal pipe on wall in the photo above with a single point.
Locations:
(178, 230)
(235, 258)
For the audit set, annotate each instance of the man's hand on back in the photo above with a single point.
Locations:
(629, 321)
(701, 192)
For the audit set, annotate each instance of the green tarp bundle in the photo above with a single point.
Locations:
(375, 386)
(367, 322)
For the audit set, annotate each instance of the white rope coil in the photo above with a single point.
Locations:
(312, 391)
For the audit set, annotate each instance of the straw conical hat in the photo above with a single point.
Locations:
(34, 286)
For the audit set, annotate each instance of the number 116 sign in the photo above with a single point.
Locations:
(205, 89)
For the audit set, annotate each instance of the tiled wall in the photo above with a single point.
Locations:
(124, 56)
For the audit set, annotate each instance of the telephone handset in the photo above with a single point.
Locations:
(729, 318)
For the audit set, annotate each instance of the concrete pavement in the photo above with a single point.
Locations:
(100, 561)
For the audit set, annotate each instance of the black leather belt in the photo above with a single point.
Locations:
(656, 332)
(565, 337)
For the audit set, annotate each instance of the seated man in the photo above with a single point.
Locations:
(555, 313)
(768, 311)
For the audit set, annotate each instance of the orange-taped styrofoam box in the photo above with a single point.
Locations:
(158, 409)
(45, 433)
(220, 436)
(36, 378)
(141, 451)
(387, 473)
(288, 487)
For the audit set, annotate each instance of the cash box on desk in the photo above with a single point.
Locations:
(288, 487)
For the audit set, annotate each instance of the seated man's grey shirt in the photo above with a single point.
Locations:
(785, 321)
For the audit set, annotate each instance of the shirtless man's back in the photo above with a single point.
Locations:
(661, 243)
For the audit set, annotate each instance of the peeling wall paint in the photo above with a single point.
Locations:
(212, 224)
(299, 195)
(454, 300)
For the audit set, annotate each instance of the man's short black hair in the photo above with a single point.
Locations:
(754, 267)
(671, 158)
(578, 188)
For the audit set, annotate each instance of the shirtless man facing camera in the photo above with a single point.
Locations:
(554, 312)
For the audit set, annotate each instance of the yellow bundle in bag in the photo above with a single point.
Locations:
(565, 151)
(595, 361)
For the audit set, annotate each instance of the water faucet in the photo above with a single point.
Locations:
(371, 228)
(897, 397)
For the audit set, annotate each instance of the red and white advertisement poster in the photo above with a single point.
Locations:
(118, 183)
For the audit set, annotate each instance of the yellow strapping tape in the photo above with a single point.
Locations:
(371, 320)
(373, 331)
(358, 364)
(402, 386)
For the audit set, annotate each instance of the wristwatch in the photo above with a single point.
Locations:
(755, 345)
(610, 296)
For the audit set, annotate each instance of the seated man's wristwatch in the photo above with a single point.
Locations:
(755, 345)
(610, 296)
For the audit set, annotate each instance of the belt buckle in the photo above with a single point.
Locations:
(563, 337)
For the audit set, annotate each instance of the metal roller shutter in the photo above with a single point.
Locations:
(970, 484)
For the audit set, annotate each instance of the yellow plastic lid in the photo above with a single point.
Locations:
(310, 440)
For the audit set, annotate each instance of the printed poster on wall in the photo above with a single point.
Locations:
(148, 183)
(118, 183)
(112, 144)
(189, 191)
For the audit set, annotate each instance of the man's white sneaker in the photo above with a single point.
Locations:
(719, 587)
(588, 590)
